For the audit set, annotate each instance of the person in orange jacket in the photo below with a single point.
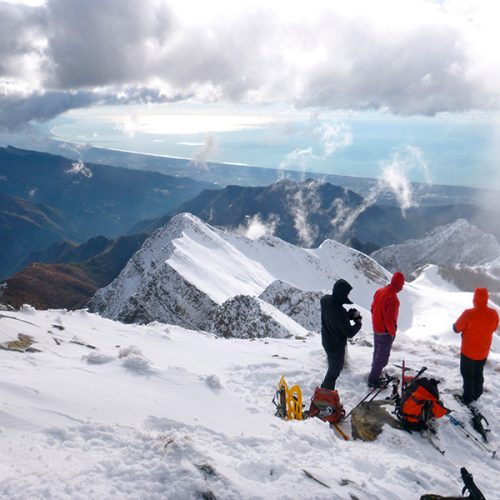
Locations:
(385, 310)
(477, 326)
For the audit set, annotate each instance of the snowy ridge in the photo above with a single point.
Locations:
(186, 269)
(455, 243)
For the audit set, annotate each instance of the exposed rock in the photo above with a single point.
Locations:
(249, 317)
(368, 419)
(168, 298)
(303, 307)
(149, 289)
(22, 344)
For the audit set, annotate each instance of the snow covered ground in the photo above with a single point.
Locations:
(158, 411)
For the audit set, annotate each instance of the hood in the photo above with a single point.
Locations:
(398, 281)
(481, 297)
(341, 290)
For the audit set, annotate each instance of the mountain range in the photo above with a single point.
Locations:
(456, 243)
(179, 403)
(187, 271)
(53, 198)
(224, 174)
(306, 213)
(67, 275)
(25, 227)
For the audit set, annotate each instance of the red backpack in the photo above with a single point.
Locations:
(326, 405)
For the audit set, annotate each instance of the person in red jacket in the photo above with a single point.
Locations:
(477, 326)
(385, 310)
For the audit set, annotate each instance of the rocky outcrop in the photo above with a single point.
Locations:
(22, 344)
(149, 289)
(249, 317)
(168, 298)
(303, 307)
(368, 419)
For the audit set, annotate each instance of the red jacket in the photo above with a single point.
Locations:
(477, 326)
(385, 306)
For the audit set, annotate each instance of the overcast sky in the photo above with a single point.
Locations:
(411, 57)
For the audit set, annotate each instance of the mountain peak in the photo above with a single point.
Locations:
(456, 243)
(188, 265)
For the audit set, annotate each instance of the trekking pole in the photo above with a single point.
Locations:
(376, 390)
(362, 401)
(422, 370)
(478, 443)
(402, 378)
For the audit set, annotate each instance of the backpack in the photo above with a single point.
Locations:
(420, 403)
(326, 405)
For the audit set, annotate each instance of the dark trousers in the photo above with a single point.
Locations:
(381, 352)
(472, 374)
(335, 365)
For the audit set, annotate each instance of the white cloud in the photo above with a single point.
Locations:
(411, 57)
(255, 227)
(78, 167)
(329, 137)
(201, 157)
(393, 178)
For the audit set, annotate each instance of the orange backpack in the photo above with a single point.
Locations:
(420, 402)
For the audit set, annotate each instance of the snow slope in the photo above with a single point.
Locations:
(154, 411)
(187, 268)
(160, 412)
(455, 243)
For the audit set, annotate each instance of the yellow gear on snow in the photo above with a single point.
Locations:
(293, 399)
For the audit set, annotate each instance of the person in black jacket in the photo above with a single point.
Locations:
(336, 328)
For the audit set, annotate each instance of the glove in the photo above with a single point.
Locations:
(354, 314)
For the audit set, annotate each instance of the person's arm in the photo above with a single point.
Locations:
(496, 321)
(344, 325)
(461, 323)
(391, 309)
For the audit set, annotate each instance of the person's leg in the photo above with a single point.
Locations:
(376, 347)
(335, 364)
(467, 370)
(382, 351)
(478, 378)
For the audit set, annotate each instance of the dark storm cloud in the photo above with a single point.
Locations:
(16, 111)
(19, 27)
(420, 72)
(103, 42)
(78, 53)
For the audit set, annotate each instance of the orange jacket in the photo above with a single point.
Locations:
(477, 326)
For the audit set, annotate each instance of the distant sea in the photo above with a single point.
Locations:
(456, 151)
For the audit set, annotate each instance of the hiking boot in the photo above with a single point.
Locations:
(461, 399)
(377, 385)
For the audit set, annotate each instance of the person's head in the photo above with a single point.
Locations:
(480, 297)
(398, 281)
(341, 290)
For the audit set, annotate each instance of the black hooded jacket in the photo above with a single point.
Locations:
(335, 325)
